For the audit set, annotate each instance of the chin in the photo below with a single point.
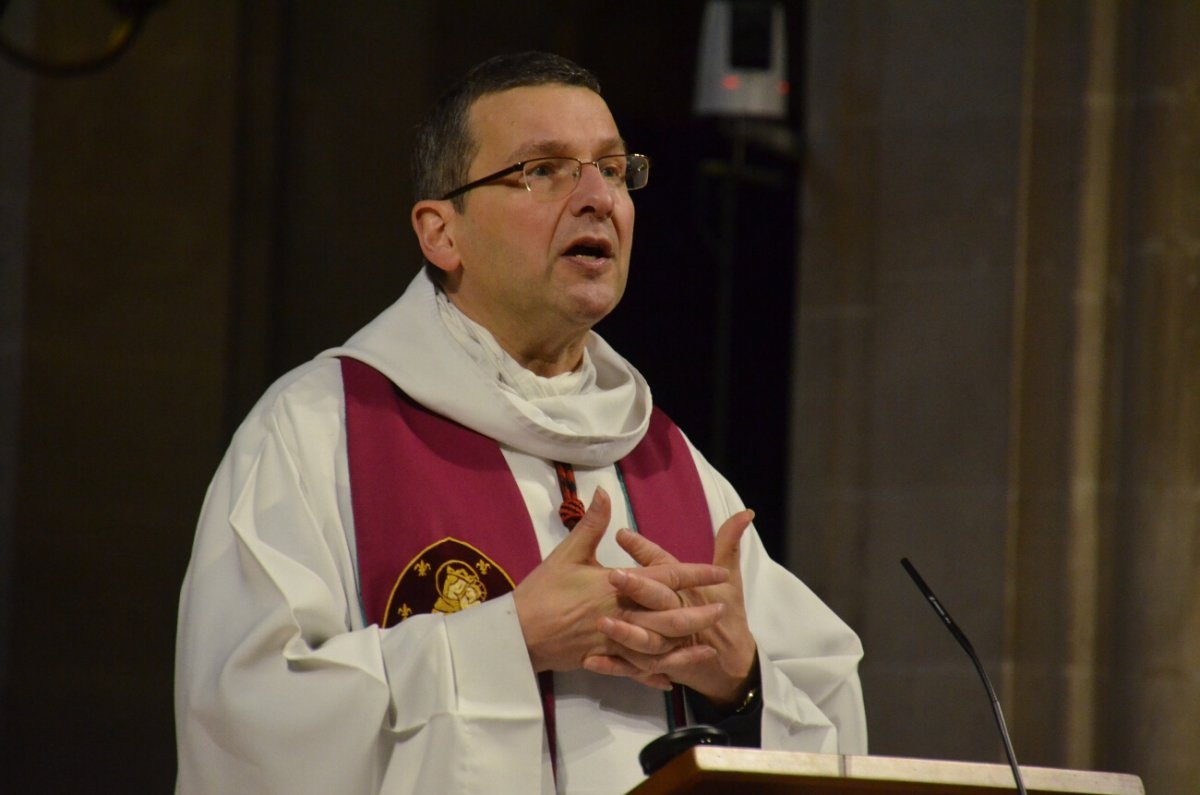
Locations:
(593, 305)
(589, 300)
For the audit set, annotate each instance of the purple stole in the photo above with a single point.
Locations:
(439, 521)
(440, 524)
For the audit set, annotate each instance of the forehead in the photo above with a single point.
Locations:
(532, 121)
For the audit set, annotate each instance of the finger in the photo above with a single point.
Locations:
(676, 660)
(642, 549)
(630, 664)
(727, 545)
(655, 588)
(658, 632)
(656, 681)
(681, 659)
(580, 544)
(615, 666)
(645, 591)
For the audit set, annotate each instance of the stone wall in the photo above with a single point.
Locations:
(998, 371)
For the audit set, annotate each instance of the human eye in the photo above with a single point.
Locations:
(546, 167)
(613, 168)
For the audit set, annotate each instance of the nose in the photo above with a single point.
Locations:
(592, 194)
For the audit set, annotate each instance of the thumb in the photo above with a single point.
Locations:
(727, 544)
(580, 544)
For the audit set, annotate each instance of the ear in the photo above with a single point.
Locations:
(433, 221)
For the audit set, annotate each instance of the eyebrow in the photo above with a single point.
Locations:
(551, 147)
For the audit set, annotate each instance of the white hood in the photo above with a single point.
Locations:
(412, 345)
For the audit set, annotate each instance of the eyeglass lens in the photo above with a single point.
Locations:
(555, 176)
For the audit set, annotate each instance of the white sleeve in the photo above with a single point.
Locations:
(812, 696)
(279, 688)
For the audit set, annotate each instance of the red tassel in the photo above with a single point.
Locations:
(571, 510)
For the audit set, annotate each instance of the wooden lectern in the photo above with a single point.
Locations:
(710, 769)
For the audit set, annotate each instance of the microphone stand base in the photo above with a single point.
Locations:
(662, 750)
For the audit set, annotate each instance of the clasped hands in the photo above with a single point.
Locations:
(658, 623)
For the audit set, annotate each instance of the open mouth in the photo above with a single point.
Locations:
(591, 249)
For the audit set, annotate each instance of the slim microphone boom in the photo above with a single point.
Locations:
(987, 683)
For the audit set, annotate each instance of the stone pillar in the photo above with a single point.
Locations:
(999, 371)
(901, 379)
(1105, 430)
(1152, 696)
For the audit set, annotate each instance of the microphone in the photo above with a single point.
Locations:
(987, 683)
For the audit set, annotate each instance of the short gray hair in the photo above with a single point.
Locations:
(444, 146)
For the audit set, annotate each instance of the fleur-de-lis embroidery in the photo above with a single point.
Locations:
(442, 579)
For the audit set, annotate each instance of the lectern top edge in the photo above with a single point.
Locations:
(707, 769)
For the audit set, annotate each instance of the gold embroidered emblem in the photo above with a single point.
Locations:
(459, 587)
(455, 585)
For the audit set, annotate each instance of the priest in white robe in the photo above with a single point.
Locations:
(285, 684)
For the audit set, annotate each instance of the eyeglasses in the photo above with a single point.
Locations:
(555, 177)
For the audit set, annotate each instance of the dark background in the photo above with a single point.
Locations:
(275, 137)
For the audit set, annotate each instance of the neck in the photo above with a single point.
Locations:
(542, 358)
(544, 352)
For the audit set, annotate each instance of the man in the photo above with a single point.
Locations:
(386, 593)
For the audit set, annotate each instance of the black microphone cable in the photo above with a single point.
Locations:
(987, 683)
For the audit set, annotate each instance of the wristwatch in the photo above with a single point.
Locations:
(751, 701)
